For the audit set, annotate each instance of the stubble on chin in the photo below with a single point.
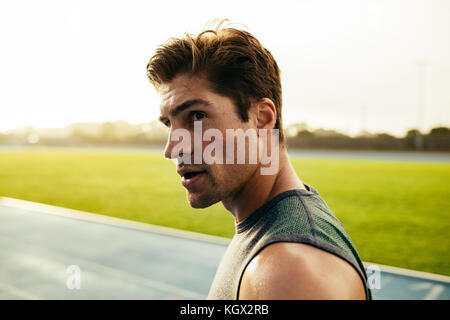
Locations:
(199, 201)
(218, 188)
(202, 198)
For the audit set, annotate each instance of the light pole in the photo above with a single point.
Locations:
(421, 64)
(363, 119)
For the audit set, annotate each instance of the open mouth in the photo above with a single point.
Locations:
(189, 179)
(190, 175)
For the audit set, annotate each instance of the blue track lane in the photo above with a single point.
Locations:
(122, 260)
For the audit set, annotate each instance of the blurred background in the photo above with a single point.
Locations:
(74, 71)
(366, 101)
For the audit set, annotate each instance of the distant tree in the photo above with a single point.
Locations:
(108, 131)
(384, 135)
(292, 130)
(328, 133)
(440, 131)
(412, 133)
(305, 134)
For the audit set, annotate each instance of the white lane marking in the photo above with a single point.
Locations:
(434, 292)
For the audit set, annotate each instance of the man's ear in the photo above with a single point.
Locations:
(266, 114)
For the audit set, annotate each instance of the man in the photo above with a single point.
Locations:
(288, 244)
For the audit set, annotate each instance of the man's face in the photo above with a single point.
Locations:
(185, 100)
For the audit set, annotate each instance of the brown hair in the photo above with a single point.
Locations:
(233, 61)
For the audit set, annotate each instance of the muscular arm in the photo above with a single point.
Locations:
(291, 271)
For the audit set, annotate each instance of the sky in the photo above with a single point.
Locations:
(382, 66)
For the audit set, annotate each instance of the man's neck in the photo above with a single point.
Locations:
(261, 188)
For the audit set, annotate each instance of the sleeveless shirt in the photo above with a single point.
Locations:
(297, 215)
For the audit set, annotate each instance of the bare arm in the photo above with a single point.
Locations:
(291, 271)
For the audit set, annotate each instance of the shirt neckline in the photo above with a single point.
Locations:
(248, 222)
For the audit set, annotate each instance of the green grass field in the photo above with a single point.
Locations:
(397, 213)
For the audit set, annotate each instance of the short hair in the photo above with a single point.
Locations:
(233, 62)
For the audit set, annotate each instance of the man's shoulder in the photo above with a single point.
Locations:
(288, 270)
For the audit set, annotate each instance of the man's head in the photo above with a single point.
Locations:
(232, 61)
(226, 79)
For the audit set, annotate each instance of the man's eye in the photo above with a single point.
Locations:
(197, 115)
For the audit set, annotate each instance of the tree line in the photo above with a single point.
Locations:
(155, 134)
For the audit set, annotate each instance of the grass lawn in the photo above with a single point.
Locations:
(397, 213)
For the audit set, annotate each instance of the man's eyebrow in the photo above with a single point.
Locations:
(185, 105)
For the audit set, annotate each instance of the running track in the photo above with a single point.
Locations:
(120, 259)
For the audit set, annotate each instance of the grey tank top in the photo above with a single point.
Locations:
(292, 216)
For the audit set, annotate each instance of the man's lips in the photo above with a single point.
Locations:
(190, 180)
(188, 173)
(190, 176)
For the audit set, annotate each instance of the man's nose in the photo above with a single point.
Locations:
(178, 144)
